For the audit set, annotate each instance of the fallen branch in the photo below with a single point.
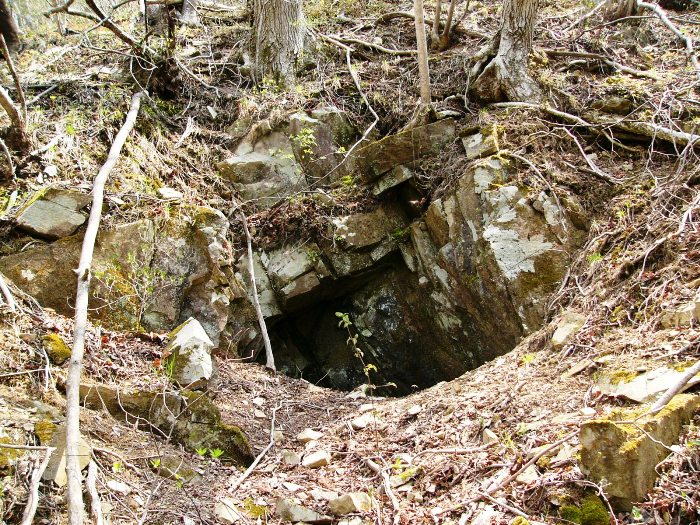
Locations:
(513, 510)
(451, 451)
(498, 486)
(689, 374)
(689, 47)
(33, 498)
(356, 79)
(599, 123)
(74, 490)
(21, 100)
(602, 58)
(386, 484)
(7, 294)
(377, 47)
(269, 357)
(10, 166)
(95, 503)
(262, 454)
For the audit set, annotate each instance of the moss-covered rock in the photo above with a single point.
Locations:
(56, 348)
(190, 418)
(626, 454)
(45, 430)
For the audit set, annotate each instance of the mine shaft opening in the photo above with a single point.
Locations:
(406, 343)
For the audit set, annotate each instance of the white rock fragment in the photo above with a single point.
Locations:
(291, 458)
(308, 434)
(489, 436)
(350, 503)
(569, 324)
(415, 410)
(227, 512)
(118, 486)
(317, 459)
(323, 495)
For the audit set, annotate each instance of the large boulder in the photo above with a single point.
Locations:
(265, 172)
(150, 274)
(190, 418)
(625, 455)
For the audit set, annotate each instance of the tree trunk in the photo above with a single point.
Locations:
(279, 28)
(506, 75)
(8, 27)
(422, 48)
(616, 9)
(189, 15)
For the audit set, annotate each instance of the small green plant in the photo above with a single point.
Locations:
(305, 140)
(400, 234)
(201, 451)
(117, 467)
(169, 367)
(155, 462)
(594, 258)
(216, 453)
(528, 359)
(348, 181)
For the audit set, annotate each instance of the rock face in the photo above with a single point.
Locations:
(154, 274)
(190, 418)
(56, 469)
(626, 455)
(54, 213)
(190, 355)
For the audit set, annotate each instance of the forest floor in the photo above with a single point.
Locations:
(642, 259)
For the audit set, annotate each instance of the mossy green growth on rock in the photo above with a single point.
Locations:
(570, 513)
(519, 521)
(593, 512)
(200, 426)
(56, 348)
(44, 430)
(626, 455)
(253, 510)
(9, 455)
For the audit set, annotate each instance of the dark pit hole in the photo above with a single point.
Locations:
(401, 331)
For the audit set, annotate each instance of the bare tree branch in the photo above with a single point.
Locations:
(74, 492)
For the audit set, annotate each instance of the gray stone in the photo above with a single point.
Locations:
(56, 469)
(266, 172)
(396, 176)
(169, 193)
(612, 104)
(480, 145)
(323, 495)
(403, 148)
(645, 387)
(682, 316)
(287, 510)
(291, 458)
(189, 418)
(54, 214)
(625, 455)
(350, 503)
(190, 349)
(568, 326)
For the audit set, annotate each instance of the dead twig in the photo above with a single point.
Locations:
(269, 357)
(689, 47)
(258, 458)
(33, 499)
(376, 47)
(514, 510)
(386, 485)
(7, 294)
(594, 168)
(95, 503)
(74, 493)
(21, 100)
